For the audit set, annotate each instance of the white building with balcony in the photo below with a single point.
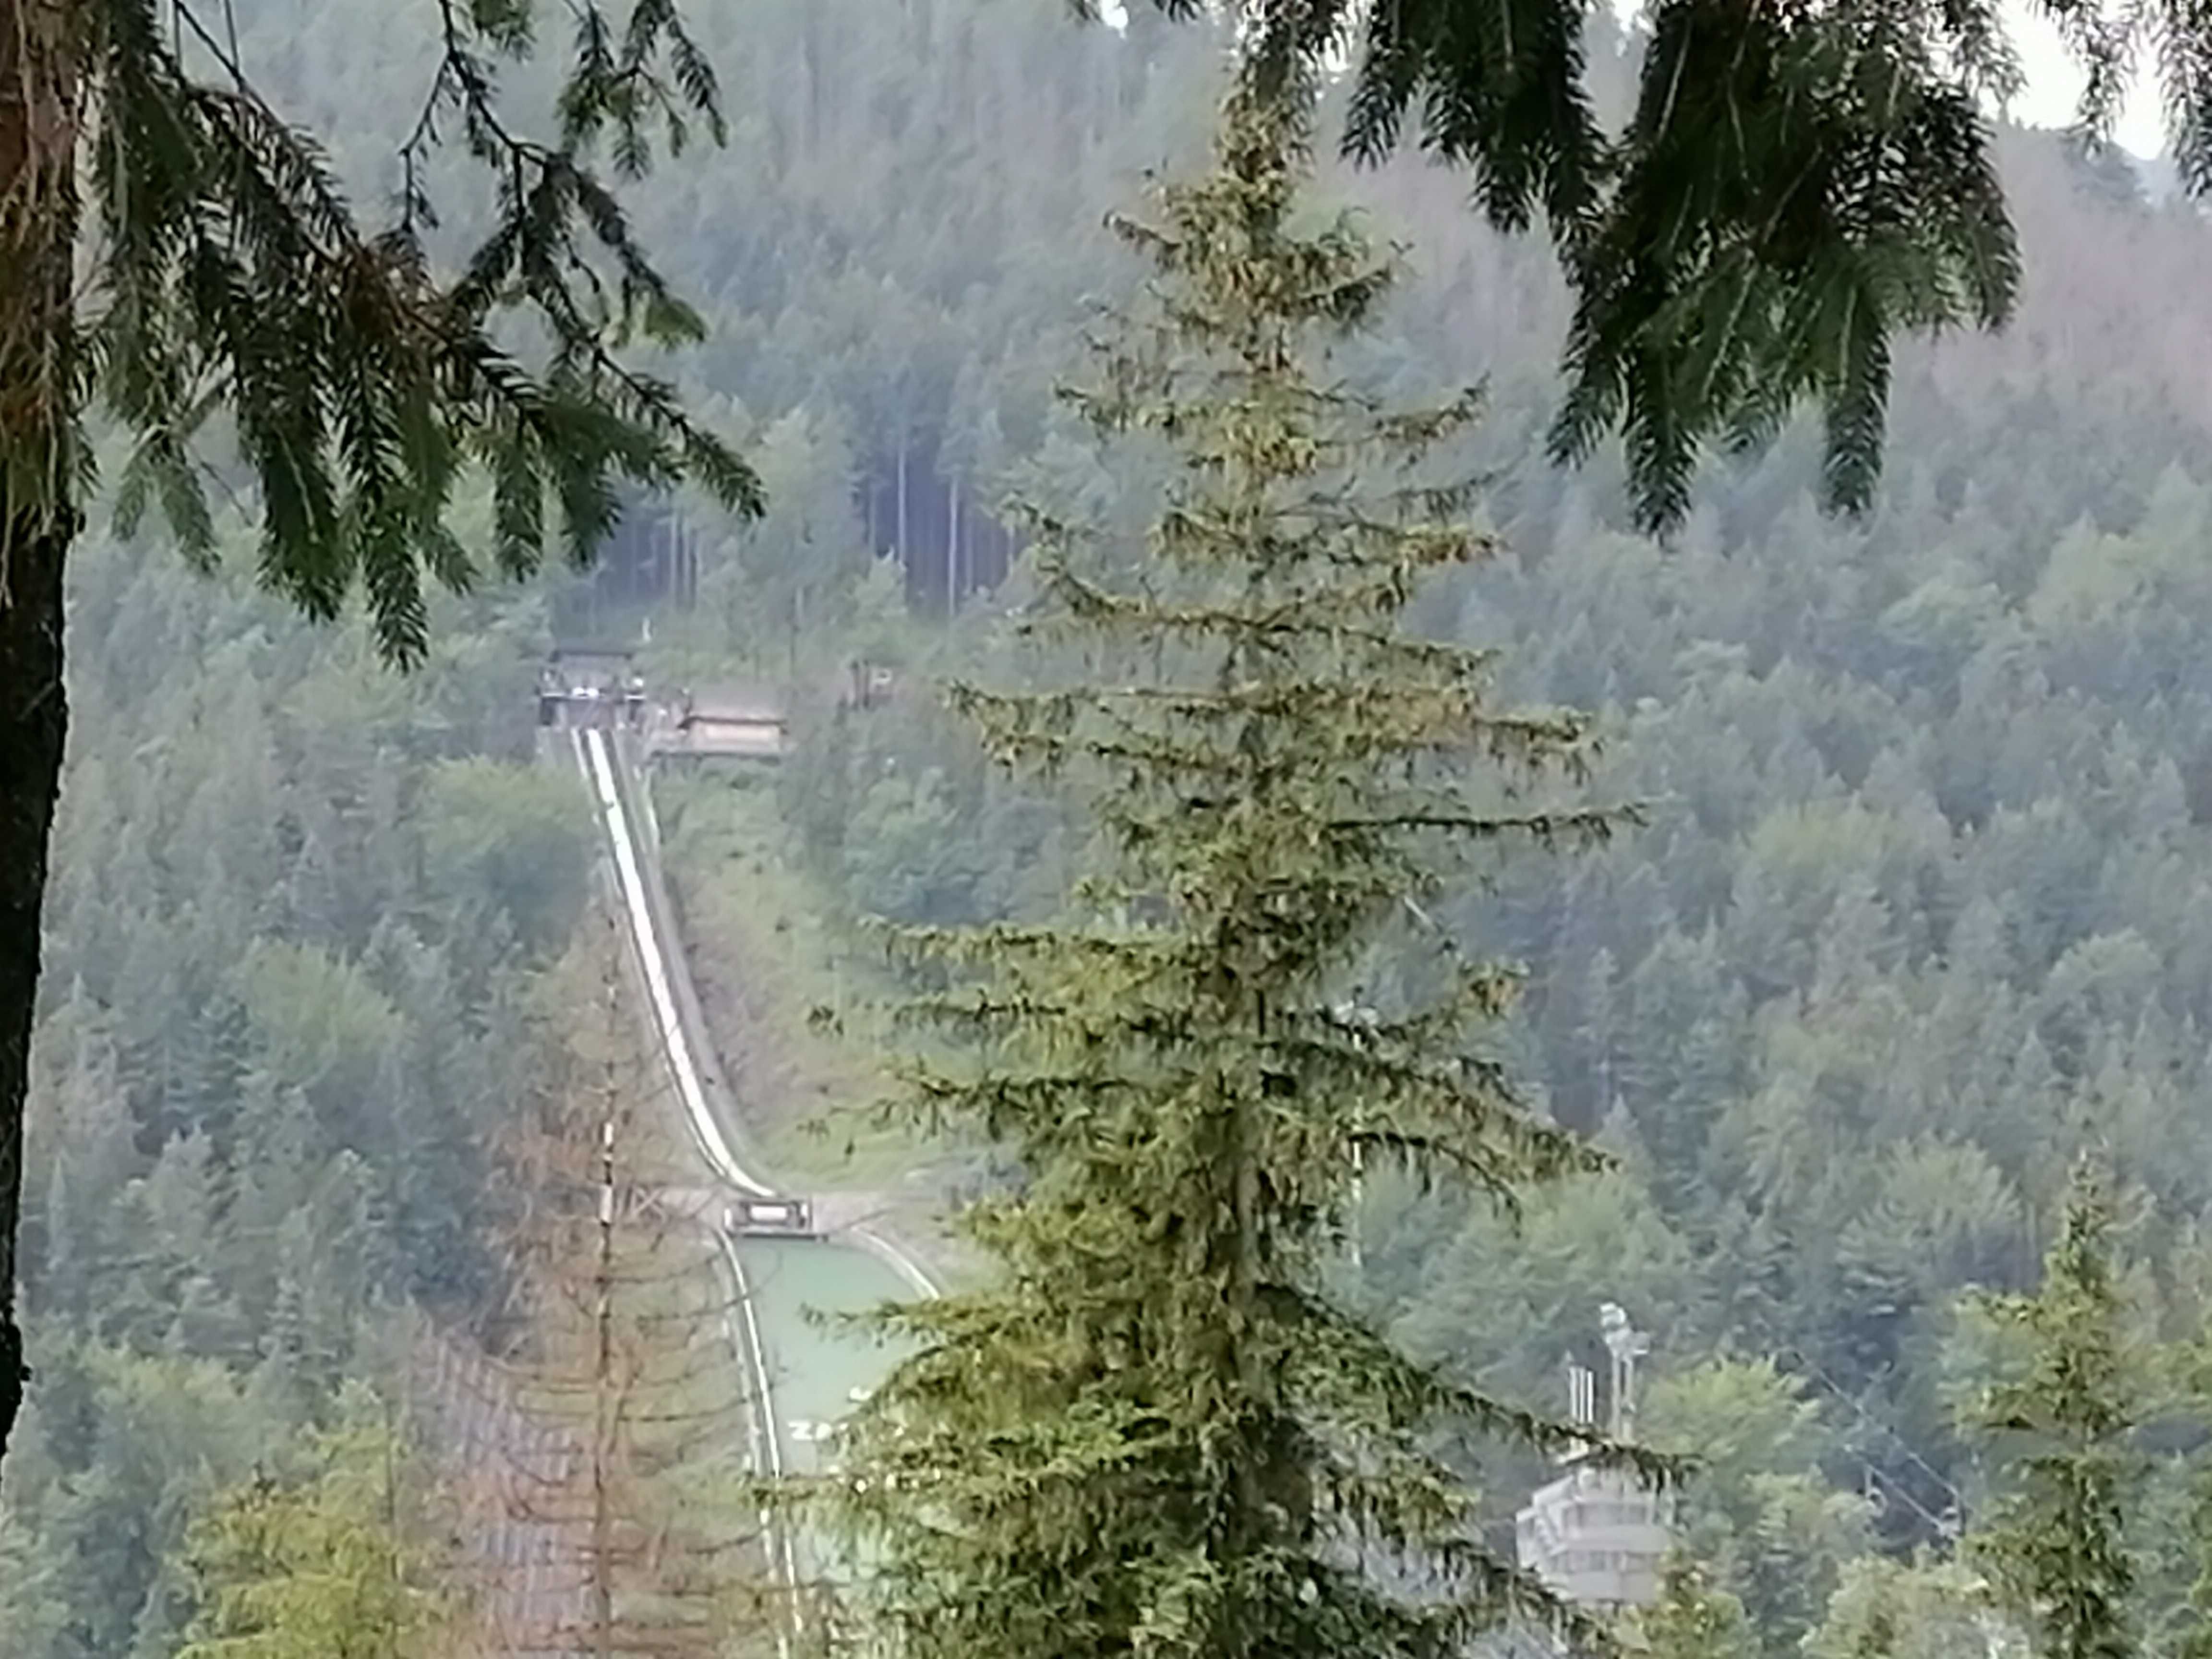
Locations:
(1598, 1537)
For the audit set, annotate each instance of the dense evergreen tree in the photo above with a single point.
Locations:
(1837, 1127)
(1920, 1610)
(1155, 1428)
(2057, 1549)
(1692, 1620)
(1924, 887)
(340, 1558)
(257, 1116)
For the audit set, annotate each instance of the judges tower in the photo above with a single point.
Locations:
(1598, 1537)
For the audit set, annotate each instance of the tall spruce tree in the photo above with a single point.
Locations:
(1154, 1431)
(229, 275)
(2056, 1549)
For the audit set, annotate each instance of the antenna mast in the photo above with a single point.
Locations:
(1626, 1345)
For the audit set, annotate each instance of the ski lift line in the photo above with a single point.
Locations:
(1885, 1430)
(705, 1129)
(1881, 1488)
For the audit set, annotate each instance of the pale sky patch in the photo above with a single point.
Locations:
(2054, 86)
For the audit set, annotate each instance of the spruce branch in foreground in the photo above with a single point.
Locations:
(1795, 188)
(230, 272)
(1154, 1432)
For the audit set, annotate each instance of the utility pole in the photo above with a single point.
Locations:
(620, 1287)
(603, 1593)
(1626, 1345)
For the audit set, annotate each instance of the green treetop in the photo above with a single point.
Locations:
(1154, 1431)
(2056, 1549)
(1693, 1618)
(330, 1566)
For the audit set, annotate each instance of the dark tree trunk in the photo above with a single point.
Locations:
(38, 111)
(33, 719)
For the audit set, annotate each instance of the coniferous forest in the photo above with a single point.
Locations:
(1844, 1014)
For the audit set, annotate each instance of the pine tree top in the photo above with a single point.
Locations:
(1156, 1429)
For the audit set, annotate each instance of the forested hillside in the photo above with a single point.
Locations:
(1922, 902)
(1918, 908)
(298, 913)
